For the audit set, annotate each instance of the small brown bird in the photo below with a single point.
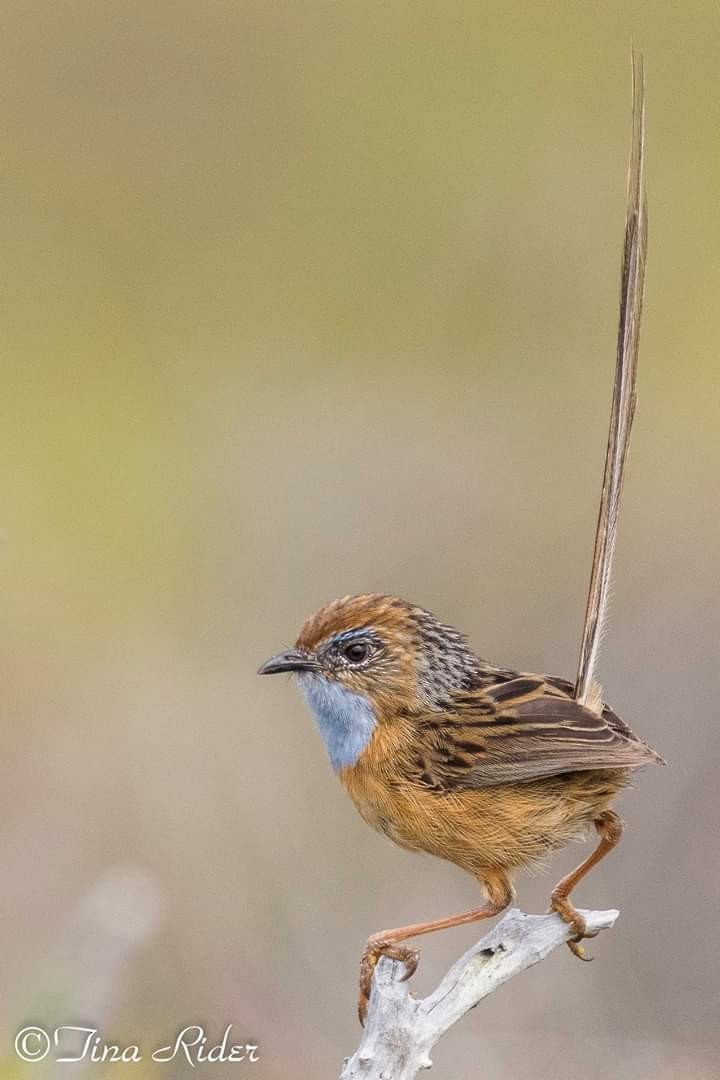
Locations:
(446, 753)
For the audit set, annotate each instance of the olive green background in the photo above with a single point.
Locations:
(302, 299)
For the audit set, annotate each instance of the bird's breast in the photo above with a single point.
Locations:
(381, 788)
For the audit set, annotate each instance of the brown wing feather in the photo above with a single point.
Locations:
(519, 730)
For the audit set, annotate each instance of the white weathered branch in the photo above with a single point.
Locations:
(402, 1030)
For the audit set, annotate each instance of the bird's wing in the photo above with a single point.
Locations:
(521, 729)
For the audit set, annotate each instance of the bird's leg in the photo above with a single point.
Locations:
(610, 828)
(387, 942)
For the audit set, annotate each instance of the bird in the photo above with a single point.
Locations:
(448, 754)
(444, 752)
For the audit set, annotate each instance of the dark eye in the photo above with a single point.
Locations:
(356, 652)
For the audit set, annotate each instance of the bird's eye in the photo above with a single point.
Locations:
(356, 652)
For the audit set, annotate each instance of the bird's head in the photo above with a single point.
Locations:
(363, 659)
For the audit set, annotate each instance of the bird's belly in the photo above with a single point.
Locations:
(446, 825)
(505, 827)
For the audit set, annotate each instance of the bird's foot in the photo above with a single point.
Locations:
(376, 947)
(570, 914)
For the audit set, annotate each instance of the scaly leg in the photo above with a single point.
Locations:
(387, 942)
(610, 828)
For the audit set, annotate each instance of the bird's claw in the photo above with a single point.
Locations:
(577, 923)
(375, 948)
(411, 959)
(577, 949)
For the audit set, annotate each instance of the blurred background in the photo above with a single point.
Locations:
(307, 299)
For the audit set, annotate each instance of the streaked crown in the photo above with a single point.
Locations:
(393, 652)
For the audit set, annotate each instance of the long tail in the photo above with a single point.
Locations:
(623, 406)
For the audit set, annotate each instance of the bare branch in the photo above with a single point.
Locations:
(402, 1030)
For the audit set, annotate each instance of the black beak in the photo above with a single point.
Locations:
(288, 661)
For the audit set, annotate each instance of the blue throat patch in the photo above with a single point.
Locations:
(346, 720)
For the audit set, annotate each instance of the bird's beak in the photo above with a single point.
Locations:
(288, 661)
